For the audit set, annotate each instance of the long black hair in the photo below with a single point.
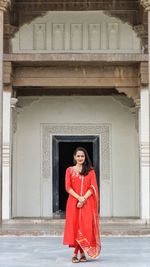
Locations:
(87, 165)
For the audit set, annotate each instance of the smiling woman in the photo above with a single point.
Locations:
(82, 222)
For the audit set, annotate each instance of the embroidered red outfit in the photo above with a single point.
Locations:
(82, 224)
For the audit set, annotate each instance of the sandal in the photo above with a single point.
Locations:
(75, 259)
(83, 258)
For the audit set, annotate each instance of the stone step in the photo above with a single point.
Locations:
(103, 220)
(50, 227)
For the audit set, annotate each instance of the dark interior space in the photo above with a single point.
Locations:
(43, 91)
(66, 150)
(63, 149)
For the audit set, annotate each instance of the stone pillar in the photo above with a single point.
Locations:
(146, 5)
(144, 154)
(7, 141)
(6, 174)
(3, 6)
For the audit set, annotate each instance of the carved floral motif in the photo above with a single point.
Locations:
(48, 130)
(4, 4)
(146, 4)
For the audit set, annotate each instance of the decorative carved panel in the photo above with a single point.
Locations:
(76, 31)
(39, 36)
(113, 36)
(48, 130)
(76, 37)
(58, 36)
(26, 37)
(94, 37)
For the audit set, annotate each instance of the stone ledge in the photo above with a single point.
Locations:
(73, 57)
(49, 221)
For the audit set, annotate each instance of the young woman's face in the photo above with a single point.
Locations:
(79, 157)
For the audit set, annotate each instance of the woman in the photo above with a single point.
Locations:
(82, 222)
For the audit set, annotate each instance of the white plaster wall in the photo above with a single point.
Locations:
(69, 31)
(119, 195)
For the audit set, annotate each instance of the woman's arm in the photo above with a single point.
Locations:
(68, 186)
(88, 194)
(81, 199)
(73, 193)
(85, 197)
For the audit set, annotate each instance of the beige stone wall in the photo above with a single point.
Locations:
(91, 31)
(32, 191)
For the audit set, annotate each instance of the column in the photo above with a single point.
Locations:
(144, 154)
(6, 173)
(145, 141)
(3, 6)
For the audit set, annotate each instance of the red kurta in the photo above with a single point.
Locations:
(82, 224)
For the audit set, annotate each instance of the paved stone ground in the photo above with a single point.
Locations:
(49, 252)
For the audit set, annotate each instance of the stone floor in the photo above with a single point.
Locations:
(49, 252)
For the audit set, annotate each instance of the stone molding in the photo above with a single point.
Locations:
(9, 30)
(76, 57)
(6, 154)
(7, 74)
(144, 73)
(77, 5)
(4, 4)
(49, 130)
(146, 4)
(145, 154)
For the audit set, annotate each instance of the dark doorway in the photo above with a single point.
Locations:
(63, 148)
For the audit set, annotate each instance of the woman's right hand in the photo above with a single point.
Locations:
(81, 199)
(79, 205)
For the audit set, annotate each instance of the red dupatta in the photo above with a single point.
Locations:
(90, 243)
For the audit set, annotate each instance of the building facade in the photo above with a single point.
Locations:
(74, 73)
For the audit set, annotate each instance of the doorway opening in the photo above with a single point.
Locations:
(63, 149)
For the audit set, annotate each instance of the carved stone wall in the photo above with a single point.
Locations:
(48, 130)
(22, 12)
(76, 31)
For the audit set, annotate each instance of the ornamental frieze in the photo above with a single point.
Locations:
(77, 5)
